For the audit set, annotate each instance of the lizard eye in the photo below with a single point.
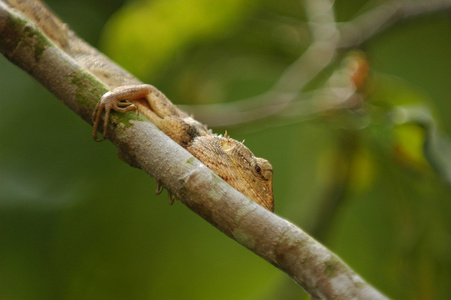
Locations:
(262, 168)
(258, 169)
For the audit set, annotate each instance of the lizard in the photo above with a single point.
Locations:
(229, 159)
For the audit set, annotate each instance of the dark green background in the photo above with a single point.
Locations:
(78, 223)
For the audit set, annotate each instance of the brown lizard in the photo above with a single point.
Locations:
(228, 158)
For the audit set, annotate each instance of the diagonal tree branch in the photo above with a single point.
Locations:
(35, 40)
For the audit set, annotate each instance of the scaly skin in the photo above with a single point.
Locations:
(229, 159)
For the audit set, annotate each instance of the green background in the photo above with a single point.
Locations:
(78, 223)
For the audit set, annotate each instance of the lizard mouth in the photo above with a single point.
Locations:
(259, 190)
(268, 201)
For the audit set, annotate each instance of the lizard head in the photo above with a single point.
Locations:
(254, 174)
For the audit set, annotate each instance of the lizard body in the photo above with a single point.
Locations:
(229, 159)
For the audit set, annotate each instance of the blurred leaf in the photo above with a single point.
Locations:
(145, 34)
(363, 170)
(426, 136)
(417, 140)
(408, 145)
(390, 91)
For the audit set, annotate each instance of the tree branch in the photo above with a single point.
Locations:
(78, 75)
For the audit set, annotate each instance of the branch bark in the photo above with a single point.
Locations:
(35, 40)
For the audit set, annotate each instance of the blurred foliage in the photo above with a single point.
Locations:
(145, 35)
(371, 182)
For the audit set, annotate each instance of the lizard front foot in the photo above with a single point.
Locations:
(116, 100)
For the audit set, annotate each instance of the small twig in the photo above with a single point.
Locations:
(367, 25)
(284, 98)
(287, 88)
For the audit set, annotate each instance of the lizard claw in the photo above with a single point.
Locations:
(159, 189)
(171, 198)
(108, 102)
